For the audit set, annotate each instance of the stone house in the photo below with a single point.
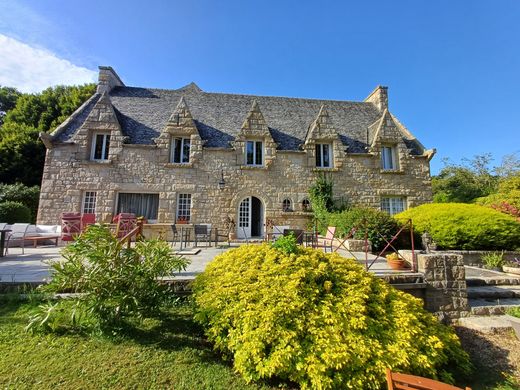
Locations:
(186, 155)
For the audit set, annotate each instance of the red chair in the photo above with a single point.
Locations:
(87, 219)
(70, 226)
(126, 222)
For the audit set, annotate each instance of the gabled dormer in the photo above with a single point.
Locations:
(254, 145)
(387, 144)
(100, 138)
(323, 144)
(180, 143)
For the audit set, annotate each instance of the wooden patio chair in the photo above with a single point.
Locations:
(398, 381)
(70, 226)
(87, 219)
(328, 240)
(126, 222)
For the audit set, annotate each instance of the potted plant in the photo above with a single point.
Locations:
(395, 261)
(493, 261)
(230, 226)
(512, 266)
(182, 220)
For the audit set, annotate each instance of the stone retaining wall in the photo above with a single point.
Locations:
(473, 258)
(446, 291)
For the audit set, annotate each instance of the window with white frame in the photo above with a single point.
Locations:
(184, 208)
(142, 205)
(323, 155)
(388, 157)
(393, 204)
(89, 202)
(254, 153)
(100, 146)
(180, 150)
(287, 205)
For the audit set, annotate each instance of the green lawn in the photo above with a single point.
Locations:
(166, 353)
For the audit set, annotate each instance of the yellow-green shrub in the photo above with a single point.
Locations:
(318, 320)
(464, 226)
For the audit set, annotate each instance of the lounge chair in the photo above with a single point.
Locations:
(328, 240)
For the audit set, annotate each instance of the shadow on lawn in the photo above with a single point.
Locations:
(492, 367)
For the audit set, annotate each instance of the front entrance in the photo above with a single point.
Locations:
(250, 218)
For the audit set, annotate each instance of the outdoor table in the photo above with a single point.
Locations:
(3, 232)
(185, 233)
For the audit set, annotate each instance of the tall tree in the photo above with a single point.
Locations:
(22, 154)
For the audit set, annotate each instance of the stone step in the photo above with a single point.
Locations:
(488, 324)
(487, 307)
(505, 280)
(494, 292)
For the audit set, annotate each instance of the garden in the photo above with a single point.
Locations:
(261, 316)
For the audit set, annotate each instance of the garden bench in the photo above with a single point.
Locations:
(398, 381)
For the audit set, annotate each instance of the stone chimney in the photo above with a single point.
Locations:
(379, 98)
(108, 79)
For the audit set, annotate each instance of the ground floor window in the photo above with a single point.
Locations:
(89, 202)
(393, 204)
(142, 205)
(184, 208)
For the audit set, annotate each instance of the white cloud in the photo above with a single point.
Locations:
(31, 69)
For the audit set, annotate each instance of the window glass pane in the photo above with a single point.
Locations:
(385, 205)
(145, 205)
(326, 155)
(258, 153)
(398, 205)
(250, 152)
(177, 148)
(98, 147)
(186, 150)
(184, 208)
(387, 158)
(286, 205)
(318, 155)
(89, 202)
(107, 146)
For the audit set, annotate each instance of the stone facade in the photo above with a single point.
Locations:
(285, 174)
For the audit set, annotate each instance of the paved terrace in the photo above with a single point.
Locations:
(33, 266)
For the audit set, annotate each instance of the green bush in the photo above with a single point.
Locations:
(465, 226)
(14, 212)
(318, 320)
(18, 192)
(377, 223)
(286, 244)
(115, 282)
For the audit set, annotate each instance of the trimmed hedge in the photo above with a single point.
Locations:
(29, 196)
(465, 226)
(318, 320)
(14, 212)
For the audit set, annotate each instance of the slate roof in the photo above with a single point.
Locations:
(143, 114)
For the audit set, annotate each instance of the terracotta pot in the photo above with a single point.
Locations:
(397, 264)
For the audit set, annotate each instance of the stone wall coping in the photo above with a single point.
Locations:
(475, 252)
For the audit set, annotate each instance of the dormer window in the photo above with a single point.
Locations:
(388, 158)
(100, 146)
(323, 155)
(180, 150)
(254, 153)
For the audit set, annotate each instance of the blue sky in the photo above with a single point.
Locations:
(452, 67)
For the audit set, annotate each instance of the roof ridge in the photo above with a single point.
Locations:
(248, 95)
